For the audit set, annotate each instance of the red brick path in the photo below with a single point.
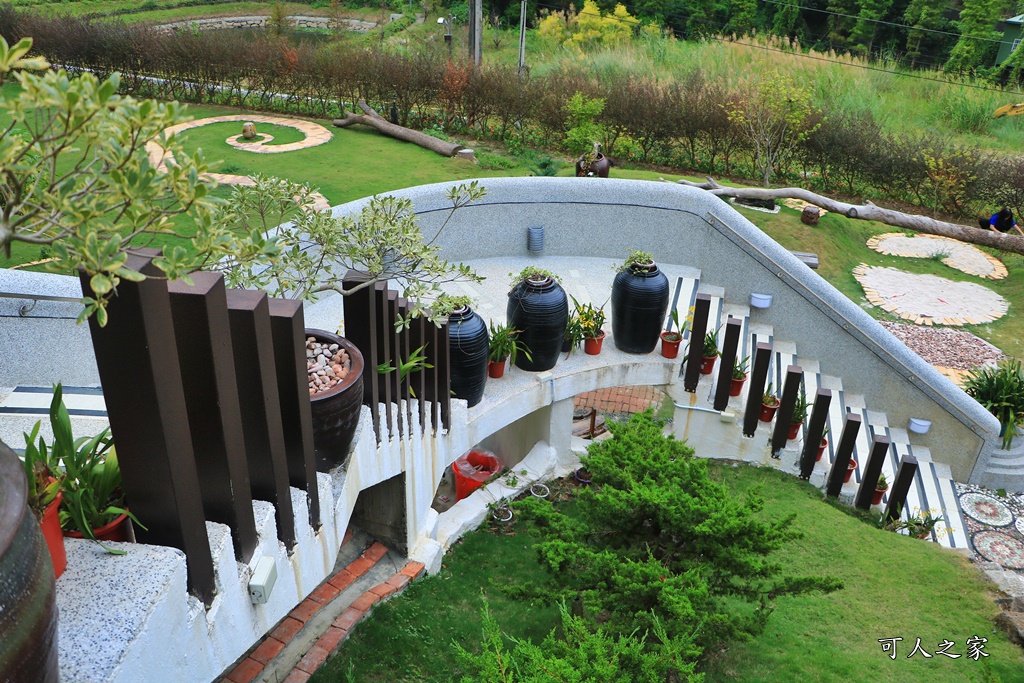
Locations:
(626, 400)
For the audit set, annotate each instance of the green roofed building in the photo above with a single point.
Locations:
(1011, 37)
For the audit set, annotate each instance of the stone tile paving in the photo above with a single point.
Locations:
(960, 255)
(315, 135)
(929, 299)
(619, 400)
(994, 525)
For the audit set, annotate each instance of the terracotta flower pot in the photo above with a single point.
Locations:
(876, 497)
(767, 412)
(708, 365)
(114, 531)
(821, 448)
(496, 368)
(849, 471)
(670, 347)
(50, 524)
(592, 345)
(736, 386)
(794, 430)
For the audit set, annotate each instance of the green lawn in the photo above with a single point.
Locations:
(894, 587)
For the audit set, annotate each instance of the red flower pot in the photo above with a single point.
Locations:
(876, 497)
(849, 471)
(767, 412)
(708, 365)
(50, 524)
(592, 345)
(822, 447)
(794, 430)
(496, 368)
(669, 347)
(115, 531)
(736, 386)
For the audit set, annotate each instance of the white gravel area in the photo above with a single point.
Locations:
(949, 348)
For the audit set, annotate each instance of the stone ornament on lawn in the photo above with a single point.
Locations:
(249, 130)
(810, 215)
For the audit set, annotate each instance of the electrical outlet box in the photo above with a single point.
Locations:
(262, 582)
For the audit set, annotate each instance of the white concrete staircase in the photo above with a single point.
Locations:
(933, 488)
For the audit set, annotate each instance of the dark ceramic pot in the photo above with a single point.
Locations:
(639, 303)
(468, 347)
(28, 620)
(541, 311)
(336, 411)
(599, 167)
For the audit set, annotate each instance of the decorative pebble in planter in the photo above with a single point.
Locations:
(468, 344)
(539, 308)
(640, 294)
(335, 401)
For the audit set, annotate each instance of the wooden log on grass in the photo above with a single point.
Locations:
(871, 212)
(374, 120)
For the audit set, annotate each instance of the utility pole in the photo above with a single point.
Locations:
(476, 30)
(522, 36)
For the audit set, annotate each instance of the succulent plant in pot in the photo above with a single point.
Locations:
(710, 352)
(799, 415)
(739, 376)
(672, 337)
(880, 488)
(769, 404)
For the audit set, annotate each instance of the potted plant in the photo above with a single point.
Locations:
(573, 334)
(769, 404)
(880, 488)
(468, 347)
(335, 402)
(44, 495)
(591, 319)
(640, 294)
(851, 467)
(504, 344)
(670, 339)
(799, 415)
(739, 376)
(539, 308)
(1001, 391)
(823, 445)
(710, 353)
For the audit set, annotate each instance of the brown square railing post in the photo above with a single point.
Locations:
(360, 322)
(872, 470)
(433, 381)
(733, 327)
(787, 404)
(256, 374)
(898, 492)
(200, 313)
(418, 339)
(698, 328)
(399, 385)
(758, 381)
(815, 432)
(288, 329)
(444, 380)
(847, 442)
(137, 358)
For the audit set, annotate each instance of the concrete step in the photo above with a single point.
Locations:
(21, 407)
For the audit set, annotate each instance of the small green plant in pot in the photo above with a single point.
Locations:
(573, 335)
(45, 478)
(799, 415)
(504, 345)
(1001, 391)
(880, 488)
(591, 320)
(710, 352)
(769, 404)
(673, 337)
(739, 376)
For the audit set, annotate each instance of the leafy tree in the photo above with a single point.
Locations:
(742, 17)
(784, 23)
(775, 118)
(866, 29)
(924, 16)
(978, 41)
(659, 546)
(75, 175)
(581, 122)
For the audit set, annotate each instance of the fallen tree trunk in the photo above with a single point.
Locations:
(872, 212)
(374, 120)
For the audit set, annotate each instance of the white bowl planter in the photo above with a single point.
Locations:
(760, 300)
(919, 426)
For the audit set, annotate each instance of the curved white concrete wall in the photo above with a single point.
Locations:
(686, 226)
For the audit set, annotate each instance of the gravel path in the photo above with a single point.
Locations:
(945, 347)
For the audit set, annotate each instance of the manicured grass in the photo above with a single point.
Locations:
(894, 587)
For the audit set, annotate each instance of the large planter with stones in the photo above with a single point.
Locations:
(468, 347)
(336, 411)
(640, 296)
(540, 309)
(28, 599)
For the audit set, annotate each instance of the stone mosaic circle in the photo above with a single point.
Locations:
(998, 547)
(929, 299)
(960, 255)
(986, 509)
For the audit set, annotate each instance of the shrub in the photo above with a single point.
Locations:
(1001, 391)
